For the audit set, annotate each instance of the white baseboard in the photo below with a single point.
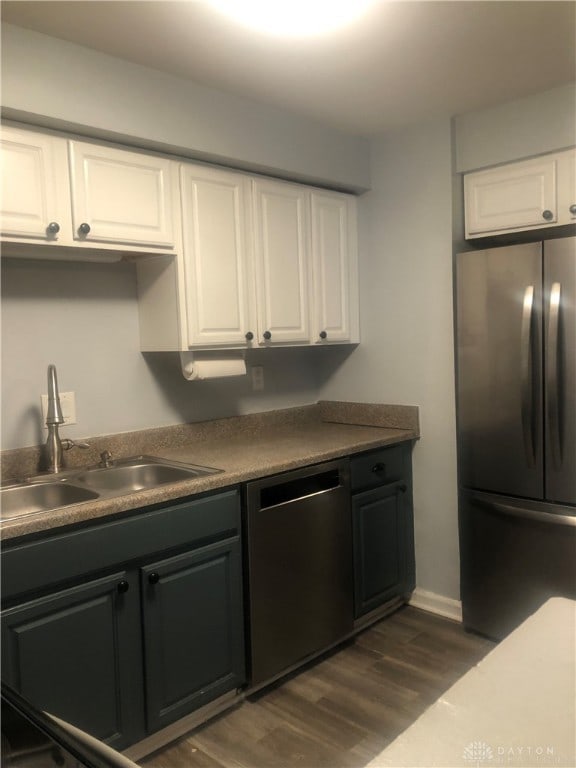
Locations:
(433, 603)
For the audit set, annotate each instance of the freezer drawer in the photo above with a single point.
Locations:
(514, 556)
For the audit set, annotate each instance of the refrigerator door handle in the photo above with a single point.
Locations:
(527, 376)
(552, 377)
(526, 514)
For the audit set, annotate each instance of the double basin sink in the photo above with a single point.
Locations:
(43, 493)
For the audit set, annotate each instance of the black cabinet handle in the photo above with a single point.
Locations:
(267, 335)
(548, 215)
(84, 228)
(572, 209)
(249, 336)
(153, 578)
(123, 587)
(379, 467)
(323, 335)
(403, 488)
(53, 228)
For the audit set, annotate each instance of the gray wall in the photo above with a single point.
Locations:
(543, 122)
(84, 318)
(55, 83)
(406, 354)
(410, 223)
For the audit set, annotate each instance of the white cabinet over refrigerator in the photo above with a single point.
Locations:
(537, 193)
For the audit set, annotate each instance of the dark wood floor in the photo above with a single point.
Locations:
(342, 710)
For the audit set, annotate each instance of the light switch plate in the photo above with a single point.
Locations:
(68, 405)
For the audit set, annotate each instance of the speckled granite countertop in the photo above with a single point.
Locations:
(244, 447)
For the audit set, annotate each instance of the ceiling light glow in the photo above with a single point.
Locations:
(293, 18)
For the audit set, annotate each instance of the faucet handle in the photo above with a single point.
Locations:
(106, 459)
(67, 444)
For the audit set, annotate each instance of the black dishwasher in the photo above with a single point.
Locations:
(299, 535)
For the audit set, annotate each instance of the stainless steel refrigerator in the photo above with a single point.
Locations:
(516, 408)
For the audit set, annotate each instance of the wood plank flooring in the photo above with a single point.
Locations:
(341, 711)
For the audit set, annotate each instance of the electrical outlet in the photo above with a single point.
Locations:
(257, 378)
(68, 405)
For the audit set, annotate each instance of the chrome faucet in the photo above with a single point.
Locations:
(54, 444)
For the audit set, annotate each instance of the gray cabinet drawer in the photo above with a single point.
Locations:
(66, 556)
(380, 467)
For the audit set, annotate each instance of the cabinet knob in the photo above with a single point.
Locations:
(153, 578)
(249, 336)
(403, 488)
(53, 228)
(377, 468)
(123, 587)
(323, 335)
(84, 228)
(267, 335)
(548, 215)
(572, 209)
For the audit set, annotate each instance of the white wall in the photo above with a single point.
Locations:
(406, 355)
(56, 83)
(84, 319)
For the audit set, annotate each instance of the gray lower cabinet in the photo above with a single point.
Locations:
(76, 653)
(382, 526)
(123, 647)
(193, 630)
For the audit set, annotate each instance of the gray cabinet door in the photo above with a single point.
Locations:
(76, 653)
(193, 630)
(382, 528)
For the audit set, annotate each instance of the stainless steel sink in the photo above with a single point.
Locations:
(20, 500)
(138, 474)
(43, 493)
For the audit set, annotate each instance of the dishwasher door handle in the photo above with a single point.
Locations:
(298, 489)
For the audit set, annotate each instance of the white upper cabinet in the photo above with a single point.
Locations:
(263, 263)
(215, 218)
(239, 261)
(282, 261)
(35, 203)
(334, 252)
(121, 197)
(530, 194)
(93, 198)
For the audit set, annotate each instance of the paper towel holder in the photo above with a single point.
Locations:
(212, 365)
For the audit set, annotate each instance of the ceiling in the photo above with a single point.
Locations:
(404, 61)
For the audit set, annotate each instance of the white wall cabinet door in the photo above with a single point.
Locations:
(121, 197)
(215, 217)
(35, 201)
(512, 197)
(334, 254)
(567, 186)
(282, 261)
(530, 194)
